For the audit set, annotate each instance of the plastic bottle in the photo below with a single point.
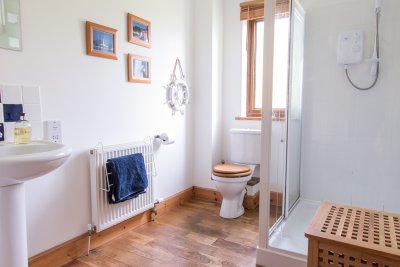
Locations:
(22, 131)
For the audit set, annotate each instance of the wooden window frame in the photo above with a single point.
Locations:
(251, 110)
(253, 12)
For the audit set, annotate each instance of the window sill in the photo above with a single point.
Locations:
(278, 114)
(238, 118)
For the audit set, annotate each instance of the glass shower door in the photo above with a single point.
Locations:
(288, 234)
(278, 126)
(294, 109)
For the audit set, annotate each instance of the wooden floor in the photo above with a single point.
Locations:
(190, 235)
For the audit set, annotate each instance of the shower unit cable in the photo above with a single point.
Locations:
(375, 57)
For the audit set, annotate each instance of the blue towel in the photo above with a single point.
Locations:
(128, 178)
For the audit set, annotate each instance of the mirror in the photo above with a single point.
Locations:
(10, 25)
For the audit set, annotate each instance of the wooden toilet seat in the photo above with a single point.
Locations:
(231, 170)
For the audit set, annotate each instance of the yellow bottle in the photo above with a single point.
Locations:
(22, 131)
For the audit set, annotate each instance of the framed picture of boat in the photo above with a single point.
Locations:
(101, 41)
(139, 69)
(139, 31)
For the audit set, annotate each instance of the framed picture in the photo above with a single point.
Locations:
(139, 31)
(139, 69)
(101, 41)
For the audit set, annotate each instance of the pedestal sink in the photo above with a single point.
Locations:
(20, 163)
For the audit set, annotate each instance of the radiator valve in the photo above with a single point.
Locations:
(153, 214)
(91, 229)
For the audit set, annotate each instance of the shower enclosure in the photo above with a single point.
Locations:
(336, 143)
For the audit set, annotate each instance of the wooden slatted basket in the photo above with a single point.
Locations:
(344, 236)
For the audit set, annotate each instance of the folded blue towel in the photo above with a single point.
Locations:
(128, 178)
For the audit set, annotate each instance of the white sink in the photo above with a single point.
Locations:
(20, 163)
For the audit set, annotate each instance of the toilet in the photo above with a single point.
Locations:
(231, 179)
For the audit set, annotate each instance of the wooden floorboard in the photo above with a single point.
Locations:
(192, 234)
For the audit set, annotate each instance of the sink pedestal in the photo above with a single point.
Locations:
(18, 164)
(13, 237)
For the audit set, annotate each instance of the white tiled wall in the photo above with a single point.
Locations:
(33, 112)
(29, 97)
(351, 144)
(11, 94)
(31, 94)
(1, 112)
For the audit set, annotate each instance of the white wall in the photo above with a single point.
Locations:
(351, 141)
(217, 70)
(207, 72)
(232, 94)
(202, 115)
(218, 39)
(94, 101)
(232, 75)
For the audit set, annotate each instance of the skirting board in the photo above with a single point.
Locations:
(72, 249)
(273, 258)
(249, 202)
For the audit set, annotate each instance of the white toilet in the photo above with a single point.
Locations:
(231, 179)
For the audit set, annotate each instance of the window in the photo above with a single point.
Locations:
(255, 48)
(253, 14)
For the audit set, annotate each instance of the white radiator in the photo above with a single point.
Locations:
(104, 214)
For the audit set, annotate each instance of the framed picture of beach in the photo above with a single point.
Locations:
(101, 41)
(139, 31)
(139, 69)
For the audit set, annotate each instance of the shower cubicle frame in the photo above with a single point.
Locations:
(267, 255)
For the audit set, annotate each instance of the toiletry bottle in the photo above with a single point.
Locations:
(22, 131)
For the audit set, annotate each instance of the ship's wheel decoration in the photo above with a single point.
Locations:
(177, 91)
